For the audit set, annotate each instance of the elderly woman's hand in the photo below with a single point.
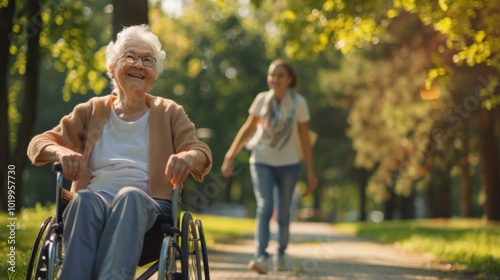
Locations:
(72, 163)
(178, 168)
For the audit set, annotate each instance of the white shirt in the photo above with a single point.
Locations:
(289, 153)
(121, 155)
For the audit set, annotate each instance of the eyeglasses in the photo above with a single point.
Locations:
(147, 61)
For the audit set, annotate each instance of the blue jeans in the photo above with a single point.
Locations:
(266, 179)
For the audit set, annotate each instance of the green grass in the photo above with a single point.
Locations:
(27, 226)
(468, 242)
(219, 228)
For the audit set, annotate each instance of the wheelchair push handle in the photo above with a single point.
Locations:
(57, 167)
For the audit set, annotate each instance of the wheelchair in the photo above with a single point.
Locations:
(175, 246)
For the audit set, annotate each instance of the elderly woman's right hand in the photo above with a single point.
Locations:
(178, 168)
(72, 163)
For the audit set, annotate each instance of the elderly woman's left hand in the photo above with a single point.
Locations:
(178, 168)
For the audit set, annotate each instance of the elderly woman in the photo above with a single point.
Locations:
(124, 153)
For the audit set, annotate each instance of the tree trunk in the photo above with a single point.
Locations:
(129, 12)
(438, 194)
(465, 177)
(363, 183)
(407, 206)
(7, 16)
(489, 164)
(25, 129)
(443, 202)
(390, 204)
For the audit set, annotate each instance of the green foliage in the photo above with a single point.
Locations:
(14, 116)
(310, 26)
(67, 45)
(73, 50)
(406, 139)
(387, 118)
(27, 226)
(467, 242)
(469, 28)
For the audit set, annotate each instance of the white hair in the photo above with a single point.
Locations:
(136, 32)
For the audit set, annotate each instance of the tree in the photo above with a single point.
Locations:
(387, 121)
(467, 37)
(7, 15)
(16, 155)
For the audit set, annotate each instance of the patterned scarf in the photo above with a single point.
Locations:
(277, 120)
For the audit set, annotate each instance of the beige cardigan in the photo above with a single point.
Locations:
(170, 132)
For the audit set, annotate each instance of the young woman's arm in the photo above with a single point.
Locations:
(246, 131)
(305, 142)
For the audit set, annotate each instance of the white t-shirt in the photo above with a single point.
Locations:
(121, 155)
(288, 154)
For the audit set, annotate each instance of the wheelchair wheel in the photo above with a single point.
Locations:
(204, 251)
(170, 263)
(165, 261)
(37, 266)
(55, 255)
(191, 267)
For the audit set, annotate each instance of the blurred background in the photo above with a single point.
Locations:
(403, 94)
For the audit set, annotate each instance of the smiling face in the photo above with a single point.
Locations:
(131, 74)
(278, 78)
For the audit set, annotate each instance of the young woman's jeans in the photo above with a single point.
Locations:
(266, 179)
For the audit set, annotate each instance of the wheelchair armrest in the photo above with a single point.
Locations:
(62, 196)
(66, 196)
(164, 224)
(164, 219)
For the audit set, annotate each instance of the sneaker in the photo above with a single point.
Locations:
(279, 262)
(258, 265)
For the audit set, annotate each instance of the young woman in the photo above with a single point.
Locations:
(275, 117)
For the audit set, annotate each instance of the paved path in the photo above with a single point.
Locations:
(318, 251)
